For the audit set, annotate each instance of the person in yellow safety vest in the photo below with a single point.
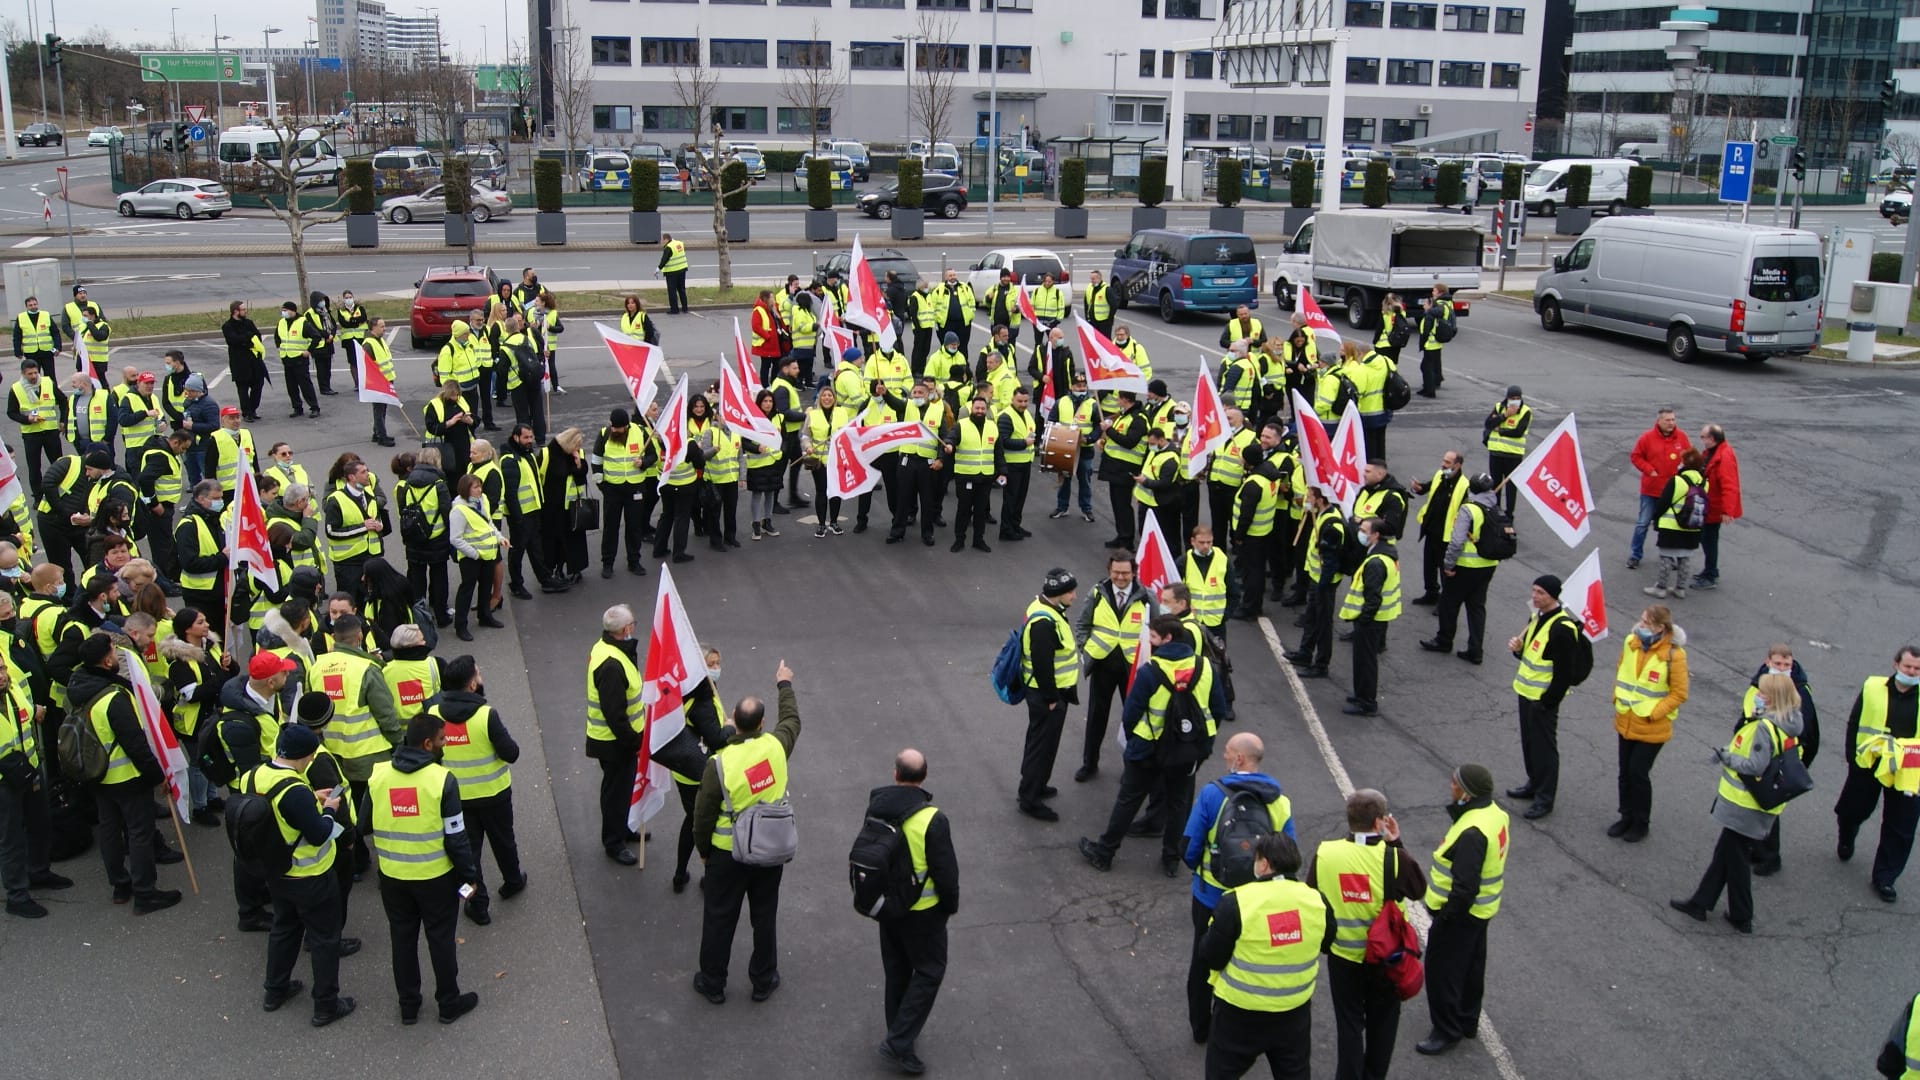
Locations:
(1000, 344)
(1097, 305)
(1466, 573)
(1676, 540)
(850, 380)
(835, 290)
(90, 422)
(1438, 312)
(354, 525)
(890, 366)
(366, 722)
(953, 300)
(78, 309)
(92, 340)
(1546, 650)
(1205, 570)
(1255, 530)
(616, 722)
(35, 335)
(1468, 875)
(418, 829)
(1003, 303)
(949, 370)
(1050, 670)
(1016, 439)
(913, 946)
(351, 324)
(977, 461)
(294, 338)
(925, 319)
(138, 416)
(1264, 945)
(1368, 371)
(803, 329)
(480, 753)
(1744, 822)
(1001, 381)
(200, 544)
(921, 466)
(1226, 468)
(477, 544)
(1326, 549)
(1050, 307)
(720, 471)
(233, 451)
(1900, 1055)
(822, 422)
(750, 770)
(1242, 327)
(621, 454)
(1445, 491)
(1504, 433)
(1883, 745)
(37, 405)
(295, 507)
(673, 267)
(1649, 686)
(1330, 385)
(1393, 324)
(1373, 601)
(24, 845)
(1123, 339)
(124, 793)
(1160, 484)
(1239, 377)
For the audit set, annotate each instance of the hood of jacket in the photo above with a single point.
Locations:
(1483, 499)
(409, 759)
(1260, 783)
(456, 706)
(1390, 482)
(87, 680)
(1386, 547)
(234, 696)
(413, 652)
(895, 801)
(276, 624)
(178, 648)
(426, 476)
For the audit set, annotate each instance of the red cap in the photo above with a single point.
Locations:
(229, 411)
(145, 376)
(266, 665)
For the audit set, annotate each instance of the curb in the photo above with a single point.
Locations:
(603, 313)
(1841, 361)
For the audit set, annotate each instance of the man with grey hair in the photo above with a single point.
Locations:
(295, 507)
(616, 721)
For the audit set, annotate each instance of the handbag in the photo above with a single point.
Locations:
(1785, 778)
(584, 514)
(1391, 943)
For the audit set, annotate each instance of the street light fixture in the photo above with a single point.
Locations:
(273, 100)
(1113, 96)
(906, 62)
(175, 16)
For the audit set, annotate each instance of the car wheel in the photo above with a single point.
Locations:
(1358, 315)
(183, 212)
(214, 215)
(418, 341)
(1546, 208)
(883, 211)
(949, 209)
(1550, 315)
(1168, 313)
(481, 215)
(1283, 294)
(1680, 344)
(1615, 207)
(126, 208)
(58, 139)
(400, 215)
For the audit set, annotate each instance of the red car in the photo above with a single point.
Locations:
(446, 293)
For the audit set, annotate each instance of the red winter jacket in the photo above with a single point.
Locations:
(1723, 484)
(766, 332)
(1659, 455)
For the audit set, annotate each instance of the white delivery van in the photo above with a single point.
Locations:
(316, 161)
(1545, 191)
(1749, 290)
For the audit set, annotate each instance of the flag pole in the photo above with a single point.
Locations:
(180, 835)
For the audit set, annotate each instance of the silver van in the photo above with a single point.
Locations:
(1751, 290)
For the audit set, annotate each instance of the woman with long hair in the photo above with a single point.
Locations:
(1649, 687)
(816, 431)
(478, 542)
(763, 472)
(563, 480)
(721, 475)
(197, 668)
(387, 600)
(700, 423)
(547, 328)
(635, 323)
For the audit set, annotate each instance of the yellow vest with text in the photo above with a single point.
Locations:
(36, 332)
(1638, 691)
(1470, 557)
(1206, 585)
(409, 832)
(309, 860)
(353, 732)
(1502, 440)
(120, 767)
(1535, 672)
(1115, 630)
(1352, 877)
(413, 683)
(36, 399)
(973, 447)
(1276, 960)
(676, 257)
(471, 758)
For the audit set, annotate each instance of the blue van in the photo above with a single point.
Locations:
(1187, 268)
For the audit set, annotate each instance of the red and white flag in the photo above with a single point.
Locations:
(1554, 480)
(750, 383)
(737, 411)
(672, 429)
(1026, 304)
(1049, 394)
(840, 337)
(10, 486)
(740, 350)
(247, 535)
(1107, 367)
(1153, 562)
(1207, 426)
(1316, 448)
(853, 450)
(1585, 599)
(674, 667)
(159, 732)
(1349, 462)
(1317, 323)
(866, 304)
(640, 364)
(1142, 656)
(375, 387)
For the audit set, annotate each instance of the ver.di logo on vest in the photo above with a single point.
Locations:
(759, 776)
(457, 735)
(335, 686)
(403, 801)
(1283, 928)
(1356, 889)
(412, 693)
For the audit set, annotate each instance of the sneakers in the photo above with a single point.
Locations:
(1633, 563)
(820, 533)
(1655, 591)
(756, 531)
(767, 529)
(1057, 515)
(835, 528)
(906, 1063)
(1704, 583)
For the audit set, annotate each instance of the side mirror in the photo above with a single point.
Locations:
(416, 284)
(1119, 253)
(1559, 264)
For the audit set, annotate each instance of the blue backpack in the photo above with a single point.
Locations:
(1009, 682)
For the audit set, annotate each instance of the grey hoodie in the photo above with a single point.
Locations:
(1463, 524)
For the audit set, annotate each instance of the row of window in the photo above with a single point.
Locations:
(1460, 74)
(740, 119)
(751, 53)
(1234, 127)
(924, 5)
(1469, 18)
(1650, 18)
(1720, 63)
(1656, 103)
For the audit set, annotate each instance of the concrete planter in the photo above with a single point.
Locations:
(909, 226)
(549, 227)
(1227, 219)
(1149, 217)
(363, 230)
(459, 231)
(1070, 222)
(1572, 221)
(823, 226)
(738, 231)
(643, 226)
(1636, 211)
(1294, 217)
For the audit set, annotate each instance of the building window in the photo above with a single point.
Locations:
(804, 54)
(1187, 9)
(936, 57)
(1153, 112)
(1199, 126)
(1399, 131)
(1199, 65)
(1416, 16)
(896, 4)
(616, 51)
(739, 53)
(666, 118)
(806, 3)
(1014, 59)
(1236, 127)
(669, 52)
(1463, 17)
(1359, 130)
(1363, 69)
(612, 118)
(944, 5)
(1297, 128)
(1007, 5)
(878, 55)
(1463, 74)
(794, 121)
(1123, 112)
(1149, 9)
(1166, 63)
(741, 118)
(1146, 63)
(1513, 20)
(1409, 72)
(761, 3)
(1366, 13)
(1506, 76)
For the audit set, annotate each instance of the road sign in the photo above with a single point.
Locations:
(1528, 126)
(197, 133)
(46, 209)
(190, 67)
(1785, 140)
(1736, 172)
(196, 113)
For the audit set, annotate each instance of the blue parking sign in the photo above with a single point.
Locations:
(1736, 173)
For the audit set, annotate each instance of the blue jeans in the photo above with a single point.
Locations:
(1649, 509)
(1710, 552)
(1083, 475)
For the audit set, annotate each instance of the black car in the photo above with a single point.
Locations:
(879, 260)
(41, 135)
(943, 195)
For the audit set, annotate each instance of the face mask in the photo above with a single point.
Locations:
(217, 505)
(1513, 403)
(10, 572)
(60, 591)
(1905, 679)
(1449, 473)
(919, 401)
(713, 673)
(1368, 540)
(1648, 637)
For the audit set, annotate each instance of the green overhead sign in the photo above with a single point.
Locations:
(190, 67)
(500, 79)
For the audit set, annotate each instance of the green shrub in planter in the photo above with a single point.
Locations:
(1375, 193)
(820, 184)
(456, 184)
(1153, 181)
(1073, 183)
(733, 185)
(1639, 186)
(546, 185)
(644, 175)
(1579, 185)
(1227, 178)
(360, 196)
(1512, 178)
(1446, 186)
(1885, 266)
(1300, 184)
(908, 173)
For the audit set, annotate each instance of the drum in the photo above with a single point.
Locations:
(1060, 448)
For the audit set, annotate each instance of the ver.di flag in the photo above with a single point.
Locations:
(674, 667)
(1207, 427)
(1554, 480)
(1142, 656)
(852, 451)
(1585, 599)
(247, 535)
(866, 305)
(672, 429)
(639, 364)
(1107, 367)
(375, 387)
(159, 732)
(1347, 467)
(737, 411)
(1153, 561)
(1324, 335)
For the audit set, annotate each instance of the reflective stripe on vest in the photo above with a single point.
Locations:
(1329, 519)
(723, 464)
(1126, 455)
(1276, 959)
(1263, 511)
(1279, 812)
(1389, 606)
(1912, 1047)
(1638, 691)
(476, 528)
(526, 494)
(1492, 822)
(676, 257)
(293, 337)
(620, 458)
(1454, 499)
(232, 448)
(1470, 557)
(36, 332)
(751, 771)
(1198, 677)
(471, 758)
(1731, 788)
(99, 413)
(204, 543)
(413, 684)
(1113, 629)
(353, 732)
(146, 409)
(1022, 425)
(120, 768)
(409, 833)
(1502, 440)
(36, 399)
(1066, 655)
(309, 860)
(914, 829)
(1229, 465)
(1535, 673)
(360, 545)
(1206, 585)
(1352, 877)
(1683, 481)
(973, 449)
(633, 710)
(1155, 468)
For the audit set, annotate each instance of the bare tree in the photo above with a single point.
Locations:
(1905, 148)
(813, 86)
(446, 91)
(931, 102)
(696, 87)
(281, 176)
(571, 77)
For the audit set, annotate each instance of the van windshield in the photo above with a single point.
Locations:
(1785, 278)
(1221, 250)
(1545, 178)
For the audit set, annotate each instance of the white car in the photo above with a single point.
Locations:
(186, 198)
(431, 205)
(104, 136)
(1897, 204)
(1027, 264)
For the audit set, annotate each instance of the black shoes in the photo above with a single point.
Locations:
(958, 546)
(1429, 600)
(1436, 645)
(1435, 1043)
(1096, 858)
(520, 592)
(1316, 671)
(1085, 773)
(1170, 865)
(680, 882)
(715, 994)
(762, 993)
(160, 900)
(981, 545)
(167, 856)
(606, 572)
(1039, 811)
(1537, 811)
(1361, 709)
(259, 924)
(1844, 849)
(1887, 893)
(273, 1001)
(1744, 927)
(1469, 656)
(623, 856)
(480, 916)
(461, 1006)
(1634, 834)
(907, 1063)
(1618, 829)
(463, 633)
(1049, 791)
(1690, 909)
(26, 909)
(1524, 791)
(512, 889)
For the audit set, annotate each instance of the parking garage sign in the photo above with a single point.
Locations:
(1736, 173)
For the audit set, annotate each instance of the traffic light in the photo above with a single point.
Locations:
(1889, 93)
(1800, 165)
(53, 50)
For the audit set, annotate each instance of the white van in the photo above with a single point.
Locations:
(1749, 290)
(1546, 190)
(315, 157)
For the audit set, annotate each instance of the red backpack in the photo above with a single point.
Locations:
(1392, 944)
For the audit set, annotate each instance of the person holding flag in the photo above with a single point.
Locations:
(1048, 302)
(616, 722)
(123, 796)
(375, 377)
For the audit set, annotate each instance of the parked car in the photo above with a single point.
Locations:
(842, 171)
(404, 168)
(607, 170)
(749, 155)
(186, 198)
(313, 157)
(431, 205)
(943, 195)
(40, 135)
(1897, 207)
(1187, 268)
(940, 163)
(487, 165)
(446, 293)
(1028, 264)
(855, 152)
(1546, 190)
(104, 136)
(663, 158)
(1034, 160)
(879, 260)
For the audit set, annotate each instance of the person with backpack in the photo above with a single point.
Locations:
(1359, 875)
(1555, 656)
(1437, 327)
(425, 502)
(1466, 571)
(298, 825)
(1170, 717)
(1656, 457)
(1649, 686)
(1050, 671)
(1325, 565)
(1228, 818)
(1780, 661)
(1373, 602)
(750, 771)
(314, 711)
(906, 847)
(1683, 514)
(243, 739)
(123, 789)
(1395, 330)
(1377, 391)
(1265, 942)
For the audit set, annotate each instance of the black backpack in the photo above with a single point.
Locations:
(1397, 394)
(1184, 742)
(1244, 818)
(415, 528)
(253, 831)
(1401, 333)
(1581, 665)
(1496, 539)
(1444, 327)
(1347, 393)
(214, 762)
(880, 870)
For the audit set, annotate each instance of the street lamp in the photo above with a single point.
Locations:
(853, 52)
(307, 62)
(1113, 96)
(219, 88)
(175, 16)
(273, 100)
(907, 41)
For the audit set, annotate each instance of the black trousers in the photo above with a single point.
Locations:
(1045, 721)
(160, 540)
(250, 390)
(1431, 373)
(1368, 636)
(1242, 1036)
(922, 345)
(209, 602)
(913, 953)
(620, 514)
(476, 590)
(433, 906)
(309, 909)
(33, 445)
(676, 514)
(1540, 748)
(1106, 678)
(649, 500)
(825, 508)
(889, 466)
(1433, 555)
(529, 409)
(1456, 975)
(1636, 780)
(346, 578)
(919, 496)
(616, 794)
(971, 506)
(676, 291)
(1013, 499)
(126, 835)
(1317, 639)
(1500, 466)
(1467, 587)
(490, 819)
(350, 357)
(683, 850)
(1139, 779)
(1251, 559)
(1199, 991)
(1366, 1019)
(427, 574)
(1898, 814)
(323, 369)
(524, 532)
(729, 884)
(475, 391)
(297, 372)
(1730, 870)
(726, 530)
(26, 833)
(1219, 510)
(1120, 500)
(60, 544)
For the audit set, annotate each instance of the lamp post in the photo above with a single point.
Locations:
(906, 45)
(852, 51)
(174, 16)
(1113, 93)
(307, 62)
(273, 99)
(219, 88)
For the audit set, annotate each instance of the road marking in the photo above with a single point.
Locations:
(32, 241)
(1491, 385)
(1416, 912)
(217, 380)
(1690, 386)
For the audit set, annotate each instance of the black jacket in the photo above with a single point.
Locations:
(894, 803)
(411, 759)
(458, 706)
(238, 726)
(1393, 509)
(1466, 856)
(437, 510)
(186, 541)
(1433, 517)
(88, 682)
(1809, 715)
(1216, 945)
(1044, 641)
(1558, 652)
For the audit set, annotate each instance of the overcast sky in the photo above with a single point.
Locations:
(150, 22)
